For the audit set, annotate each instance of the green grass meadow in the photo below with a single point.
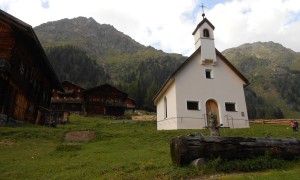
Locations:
(121, 150)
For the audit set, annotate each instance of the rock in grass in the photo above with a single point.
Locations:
(79, 136)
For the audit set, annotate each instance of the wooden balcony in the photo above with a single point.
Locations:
(66, 100)
(91, 103)
(112, 104)
(107, 103)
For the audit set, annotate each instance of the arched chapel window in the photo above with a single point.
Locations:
(165, 108)
(206, 33)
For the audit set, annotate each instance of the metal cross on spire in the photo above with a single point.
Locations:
(202, 6)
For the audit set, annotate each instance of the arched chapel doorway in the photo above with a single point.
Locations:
(212, 106)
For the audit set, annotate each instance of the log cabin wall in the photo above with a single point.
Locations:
(71, 100)
(26, 76)
(105, 100)
(130, 103)
(102, 100)
(6, 47)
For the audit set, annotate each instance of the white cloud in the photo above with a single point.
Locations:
(168, 24)
(239, 22)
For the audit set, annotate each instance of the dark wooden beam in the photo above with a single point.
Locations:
(185, 149)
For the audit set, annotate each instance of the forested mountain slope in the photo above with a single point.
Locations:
(88, 53)
(274, 73)
(73, 64)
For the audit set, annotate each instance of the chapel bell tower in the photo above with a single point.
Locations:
(204, 39)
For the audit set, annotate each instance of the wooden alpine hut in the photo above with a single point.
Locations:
(26, 75)
(107, 100)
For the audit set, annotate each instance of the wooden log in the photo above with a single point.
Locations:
(185, 149)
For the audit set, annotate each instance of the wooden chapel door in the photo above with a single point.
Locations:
(212, 106)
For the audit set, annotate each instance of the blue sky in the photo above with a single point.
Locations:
(45, 4)
(168, 24)
(211, 3)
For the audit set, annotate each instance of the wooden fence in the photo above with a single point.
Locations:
(273, 121)
(255, 121)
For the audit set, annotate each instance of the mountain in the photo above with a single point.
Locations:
(273, 71)
(88, 53)
(96, 39)
(110, 56)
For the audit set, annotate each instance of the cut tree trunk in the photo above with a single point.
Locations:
(185, 149)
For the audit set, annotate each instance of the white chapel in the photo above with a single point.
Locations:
(205, 82)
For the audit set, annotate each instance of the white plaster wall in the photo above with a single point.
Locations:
(199, 33)
(226, 86)
(208, 50)
(171, 121)
(197, 39)
(189, 89)
(230, 90)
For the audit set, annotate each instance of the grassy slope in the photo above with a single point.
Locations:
(120, 151)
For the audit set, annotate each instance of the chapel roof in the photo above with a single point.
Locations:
(198, 51)
(202, 22)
